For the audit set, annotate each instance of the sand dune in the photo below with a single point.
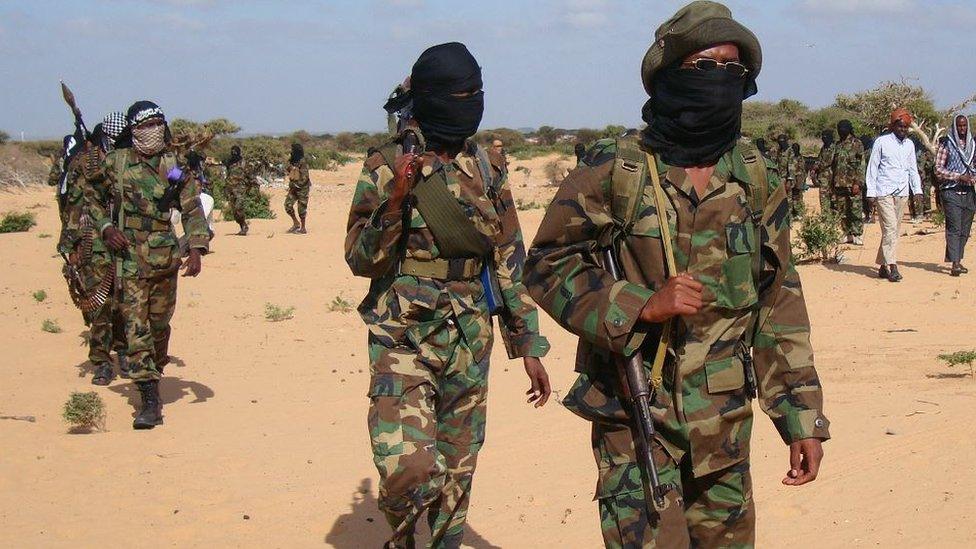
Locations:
(265, 441)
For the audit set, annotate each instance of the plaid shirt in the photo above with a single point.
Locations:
(941, 159)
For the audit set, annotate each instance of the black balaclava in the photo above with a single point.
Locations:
(761, 145)
(694, 117)
(580, 151)
(796, 149)
(783, 142)
(297, 153)
(844, 129)
(439, 72)
(827, 137)
(867, 142)
(235, 156)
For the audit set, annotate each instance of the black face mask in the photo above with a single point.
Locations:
(827, 139)
(439, 73)
(694, 117)
(297, 154)
(235, 157)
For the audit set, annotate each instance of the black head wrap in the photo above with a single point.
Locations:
(693, 116)
(844, 128)
(761, 145)
(139, 112)
(796, 148)
(440, 72)
(235, 156)
(783, 141)
(297, 153)
(827, 136)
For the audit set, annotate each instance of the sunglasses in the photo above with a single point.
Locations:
(705, 64)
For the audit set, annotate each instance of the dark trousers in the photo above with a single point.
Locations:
(959, 207)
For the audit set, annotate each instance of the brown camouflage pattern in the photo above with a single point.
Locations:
(299, 185)
(703, 411)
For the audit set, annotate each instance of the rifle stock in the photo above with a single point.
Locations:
(638, 391)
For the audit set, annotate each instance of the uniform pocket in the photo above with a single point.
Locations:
(724, 375)
(161, 247)
(737, 289)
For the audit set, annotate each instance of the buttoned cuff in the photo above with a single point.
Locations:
(627, 300)
(199, 242)
(533, 345)
(800, 424)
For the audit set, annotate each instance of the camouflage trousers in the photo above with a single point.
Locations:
(826, 199)
(851, 211)
(235, 201)
(428, 395)
(299, 194)
(148, 305)
(715, 510)
(106, 330)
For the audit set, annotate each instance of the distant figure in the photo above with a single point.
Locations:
(921, 204)
(892, 171)
(239, 180)
(821, 171)
(761, 145)
(846, 179)
(299, 184)
(580, 151)
(955, 165)
(868, 205)
(498, 148)
(797, 181)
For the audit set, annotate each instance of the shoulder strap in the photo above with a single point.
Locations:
(757, 191)
(484, 166)
(660, 204)
(627, 181)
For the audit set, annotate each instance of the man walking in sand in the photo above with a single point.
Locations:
(434, 226)
(687, 193)
(892, 172)
(955, 166)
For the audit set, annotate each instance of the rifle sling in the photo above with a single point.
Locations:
(660, 201)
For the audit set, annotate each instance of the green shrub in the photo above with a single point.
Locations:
(938, 218)
(84, 411)
(50, 326)
(819, 236)
(40, 295)
(340, 305)
(276, 313)
(257, 203)
(960, 357)
(17, 222)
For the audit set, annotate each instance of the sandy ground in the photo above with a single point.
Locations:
(265, 441)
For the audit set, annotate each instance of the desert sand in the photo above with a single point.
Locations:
(265, 441)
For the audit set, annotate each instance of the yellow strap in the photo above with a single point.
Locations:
(660, 201)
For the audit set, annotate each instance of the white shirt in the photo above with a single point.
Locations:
(892, 168)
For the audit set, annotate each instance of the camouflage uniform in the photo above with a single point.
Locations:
(784, 161)
(430, 341)
(106, 326)
(797, 184)
(702, 411)
(299, 185)
(822, 174)
(239, 183)
(845, 171)
(921, 205)
(150, 266)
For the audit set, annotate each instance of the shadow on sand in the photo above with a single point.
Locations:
(171, 389)
(365, 526)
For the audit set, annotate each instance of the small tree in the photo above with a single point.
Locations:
(4, 137)
(960, 357)
(819, 236)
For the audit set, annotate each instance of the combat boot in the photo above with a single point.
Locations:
(151, 414)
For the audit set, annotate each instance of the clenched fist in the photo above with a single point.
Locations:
(681, 295)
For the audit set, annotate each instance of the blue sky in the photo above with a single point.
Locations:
(327, 65)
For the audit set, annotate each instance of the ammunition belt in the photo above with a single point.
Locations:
(87, 239)
(88, 302)
(148, 224)
(442, 269)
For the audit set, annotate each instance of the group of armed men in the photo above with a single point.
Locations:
(839, 171)
(119, 191)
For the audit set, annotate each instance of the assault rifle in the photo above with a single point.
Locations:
(638, 391)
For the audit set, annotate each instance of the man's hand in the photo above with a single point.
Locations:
(681, 295)
(856, 189)
(805, 457)
(405, 169)
(540, 390)
(192, 265)
(114, 238)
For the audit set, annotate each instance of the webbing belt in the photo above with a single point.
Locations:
(442, 269)
(660, 201)
(140, 223)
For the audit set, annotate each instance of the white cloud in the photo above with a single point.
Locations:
(586, 14)
(858, 7)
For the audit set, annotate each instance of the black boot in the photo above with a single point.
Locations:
(123, 365)
(151, 414)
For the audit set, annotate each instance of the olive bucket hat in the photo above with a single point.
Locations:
(695, 27)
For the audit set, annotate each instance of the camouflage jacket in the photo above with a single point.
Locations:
(926, 165)
(784, 161)
(77, 213)
(298, 174)
(702, 408)
(153, 245)
(822, 168)
(798, 173)
(377, 240)
(240, 175)
(848, 163)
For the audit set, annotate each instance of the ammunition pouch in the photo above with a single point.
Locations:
(442, 269)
